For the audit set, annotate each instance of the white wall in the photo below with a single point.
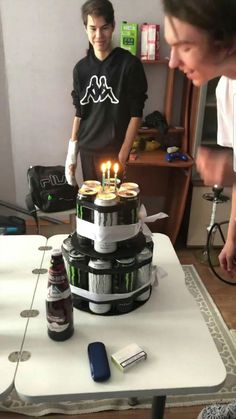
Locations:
(40, 42)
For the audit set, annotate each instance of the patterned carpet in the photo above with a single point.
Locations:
(224, 341)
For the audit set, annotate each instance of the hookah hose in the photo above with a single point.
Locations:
(211, 232)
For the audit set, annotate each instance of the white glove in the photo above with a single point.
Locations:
(71, 160)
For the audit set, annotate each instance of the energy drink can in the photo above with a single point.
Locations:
(144, 273)
(128, 213)
(93, 184)
(105, 215)
(83, 212)
(67, 246)
(112, 185)
(77, 275)
(99, 284)
(131, 186)
(125, 282)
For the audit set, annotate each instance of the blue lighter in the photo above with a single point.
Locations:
(99, 365)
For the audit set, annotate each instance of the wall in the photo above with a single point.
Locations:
(40, 43)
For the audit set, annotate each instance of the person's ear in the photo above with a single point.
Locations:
(229, 50)
(232, 49)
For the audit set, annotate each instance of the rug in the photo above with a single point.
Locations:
(224, 341)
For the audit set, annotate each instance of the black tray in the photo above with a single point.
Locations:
(125, 249)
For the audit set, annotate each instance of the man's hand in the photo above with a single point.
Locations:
(227, 257)
(123, 155)
(71, 161)
(215, 166)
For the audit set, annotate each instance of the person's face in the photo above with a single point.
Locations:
(192, 52)
(99, 34)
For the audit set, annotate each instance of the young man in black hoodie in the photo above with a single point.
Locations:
(109, 91)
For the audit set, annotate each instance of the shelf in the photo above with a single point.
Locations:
(161, 61)
(164, 185)
(154, 131)
(157, 158)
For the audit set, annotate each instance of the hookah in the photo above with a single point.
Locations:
(216, 197)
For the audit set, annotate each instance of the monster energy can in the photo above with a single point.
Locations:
(112, 185)
(144, 273)
(125, 282)
(77, 275)
(128, 213)
(93, 184)
(67, 246)
(99, 284)
(105, 215)
(131, 186)
(83, 212)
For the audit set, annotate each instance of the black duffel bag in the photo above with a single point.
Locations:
(49, 190)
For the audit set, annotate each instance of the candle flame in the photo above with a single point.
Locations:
(116, 168)
(103, 167)
(108, 165)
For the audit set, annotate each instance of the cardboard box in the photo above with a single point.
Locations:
(150, 41)
(129, 37)
(144, 41)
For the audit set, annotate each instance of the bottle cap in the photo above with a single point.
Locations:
(56, 252)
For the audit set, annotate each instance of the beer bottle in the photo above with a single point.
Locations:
(59, 307)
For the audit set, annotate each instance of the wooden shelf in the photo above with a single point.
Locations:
(157, 158)
(154, 131)
(164, 185)
(161, 61)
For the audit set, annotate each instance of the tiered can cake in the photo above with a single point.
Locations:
(109, 274)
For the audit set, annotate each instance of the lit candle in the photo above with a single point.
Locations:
(108, 173)
(116, 168)
(103, 167)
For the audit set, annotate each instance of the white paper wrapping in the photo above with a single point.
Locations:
(155, 274)
(117, 233)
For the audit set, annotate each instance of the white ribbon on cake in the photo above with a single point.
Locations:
(117, 233)
(156, 273)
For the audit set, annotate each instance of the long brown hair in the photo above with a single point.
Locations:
(217, 17)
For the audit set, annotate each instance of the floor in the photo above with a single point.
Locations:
(224, 296)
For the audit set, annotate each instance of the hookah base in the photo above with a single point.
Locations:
(202, 257)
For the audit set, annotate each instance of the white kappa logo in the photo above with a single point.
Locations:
(98, 91)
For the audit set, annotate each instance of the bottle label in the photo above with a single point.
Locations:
(55, 294)
(54, 324)
(57, 278)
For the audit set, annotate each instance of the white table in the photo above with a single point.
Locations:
(182, 357)
(19, 255)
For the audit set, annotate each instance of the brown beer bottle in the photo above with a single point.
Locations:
(59, 307)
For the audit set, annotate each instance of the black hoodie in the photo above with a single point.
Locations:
(106, 95)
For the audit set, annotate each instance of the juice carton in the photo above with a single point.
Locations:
(129, 37)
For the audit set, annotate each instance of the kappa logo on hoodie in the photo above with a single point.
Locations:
(98, 91)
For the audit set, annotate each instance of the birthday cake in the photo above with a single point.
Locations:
(108, 257)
